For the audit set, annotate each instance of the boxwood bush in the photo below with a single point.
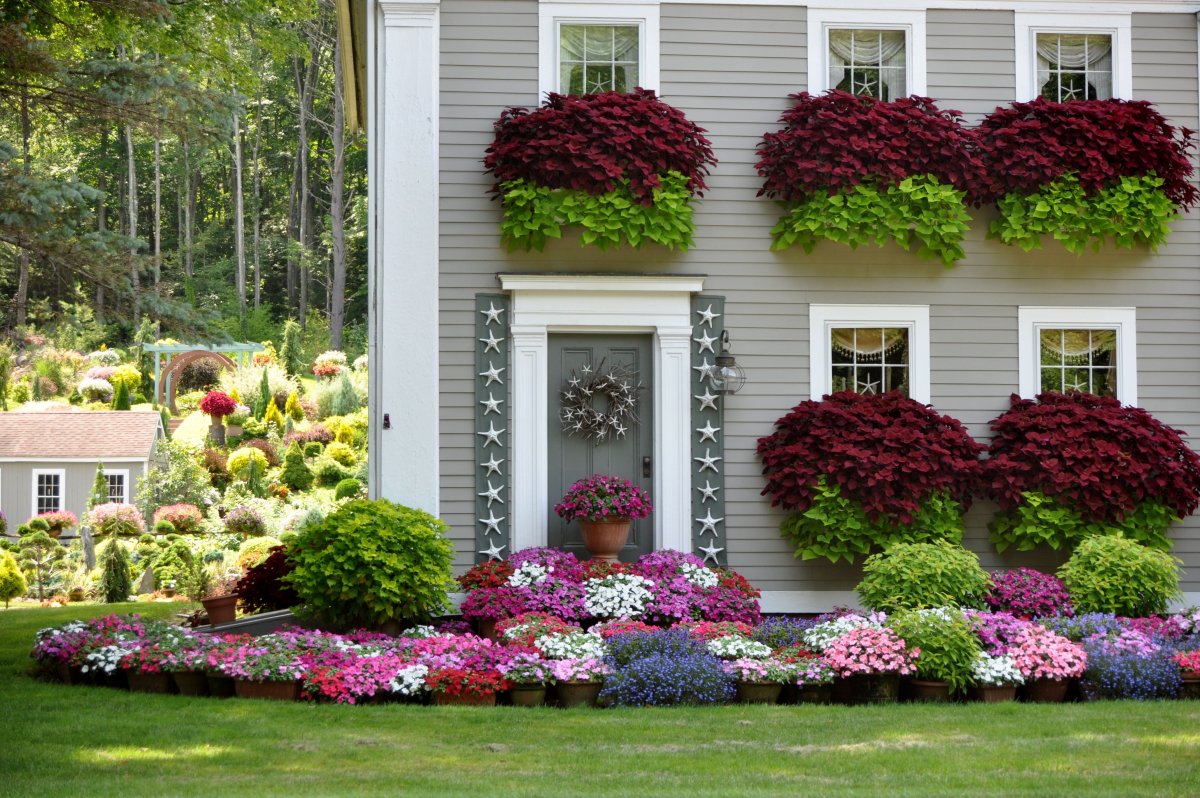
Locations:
(918, 575)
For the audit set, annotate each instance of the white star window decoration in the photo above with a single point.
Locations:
(708, 461)
(706, 400)
(492, 523)
(493, 551)
(492, 435)
(492, 313)
(706, 342)
(492, 374)
(707, 315)
(708, 432)
(711, 552)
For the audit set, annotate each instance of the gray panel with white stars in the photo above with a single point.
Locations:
(708, 437)
(492, 422)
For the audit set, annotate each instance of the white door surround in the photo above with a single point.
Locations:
(660, 305)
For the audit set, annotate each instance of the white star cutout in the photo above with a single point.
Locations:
(1075, 386)
(706, 342)
(705, 370)
(492, 374)
(492, 466)
(869, 387)
(493, 551)
(708, 432)
(708, 524)
(491, 343)
(574, 382)
(707, 316)
(707, 492)
(620, 431)
(493, 493)
(710, 552)
(491, 404)
(706, 400)
(707, 461)
(492, 522)
(586, 369)
(492, 435)
(492, 313)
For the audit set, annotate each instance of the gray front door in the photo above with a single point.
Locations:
(573, 456)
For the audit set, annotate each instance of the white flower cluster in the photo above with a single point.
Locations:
(699, 575)
(360, 363)
(94, 386)
(104, 659)
(420, 632)
(617, 596)
(529, 574)
(71, 627)
(738, 647)
(573, 645)
(105, 357)
(996, 671)
(820, 636)
(410, 680)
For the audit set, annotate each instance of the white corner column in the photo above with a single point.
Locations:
(402, 82)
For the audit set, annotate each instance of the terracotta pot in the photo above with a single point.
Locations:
(220, 685)
(1191, 684)
(221, 609)
(757, 692)
(929, 691)
(577, 694)
(875, 688)
(528, 695)
(465, 699)
(814, 694)
(604, 539)
(1047, 691)
(271, 691)
(55, 532)
(993, 694)
(75, 594)
(169, 592)
(72, 674)
(151, 682)
(191, 682)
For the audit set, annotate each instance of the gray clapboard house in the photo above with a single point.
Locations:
(470, 344)
(48, 459)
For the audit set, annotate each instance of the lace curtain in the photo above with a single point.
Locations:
(598, 58)
(868, 62)
(1074, 66)
(1077, 347)
(862, 344)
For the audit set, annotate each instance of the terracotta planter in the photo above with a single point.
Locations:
(169, 592)
(577, 694)
(757, 692)
(1191, 685)
(465, 700)
(993, 694)
(151, 683)
(929, 691)
(55, 533)
(528, 695)
(221, 609)
(220, 685)
(1047, 691)
(270, 691)
(75, 594)
(72, 674)
(604, 539)
(876, 688)
(191, 682)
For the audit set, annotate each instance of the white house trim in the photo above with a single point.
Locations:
(1048, 6)
(614, 12)
(544, 304)
(1118, 24)
(33, 488)
(72, 459)
(1123, 320)
(915, 317)
(877, 16)
(402, 169)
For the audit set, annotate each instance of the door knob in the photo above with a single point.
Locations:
(647, 467)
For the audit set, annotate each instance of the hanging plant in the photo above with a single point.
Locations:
(859, 472)
(1068, 466)
(1084, 172)
(622, 167)
(856, 169)
(614, 389)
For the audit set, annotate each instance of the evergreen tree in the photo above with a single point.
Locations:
(289, 352)
(116, 583)
(99, 493)
(121, 397)
(273, 416)
(41, 554)
(264, 396)
(292, 408)
(12, 581)
(166, 421)
(296, 473)
(345, 399)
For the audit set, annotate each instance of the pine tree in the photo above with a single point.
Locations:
(345, 400)
(121, 397)
(273, 416)
(40, 554)
(12, 581)
(292, 408)
(99, 493)
(115, 583)
(289, 351)
(264, 396)
(296, 473)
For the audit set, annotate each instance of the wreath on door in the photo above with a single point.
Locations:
(617, 385)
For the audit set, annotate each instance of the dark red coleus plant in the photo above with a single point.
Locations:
(836, 140)
(1029, 145)
(886, 451)
(262, 588)
(1098, 456)
(591, 142)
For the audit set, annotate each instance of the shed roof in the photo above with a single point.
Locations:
(78, 435)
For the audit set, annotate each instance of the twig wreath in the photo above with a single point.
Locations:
(618, 385)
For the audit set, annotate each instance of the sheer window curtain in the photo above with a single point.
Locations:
(860, 55)
(596, 58)
(1065, 59)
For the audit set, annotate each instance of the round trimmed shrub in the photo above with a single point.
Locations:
(330, 472)
(347, 489)
(373, 562)
(911, 576)
(246, 462)
(342, 453)
(1108, 573)
(948, 644)
(12, 581)
(254, 551)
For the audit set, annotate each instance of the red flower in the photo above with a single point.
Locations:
(217, 404)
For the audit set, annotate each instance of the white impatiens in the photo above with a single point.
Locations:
(106, 659)
(529, 574)
(699, 575)
(410, 680)
(820, 636)
(617, 596)
(996, 671)
(573, 645)
(738, 647)
(95, 388)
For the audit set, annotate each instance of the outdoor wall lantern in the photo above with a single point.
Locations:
(727, 376)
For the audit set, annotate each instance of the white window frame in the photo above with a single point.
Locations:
(123, 473)
(912, 22)
(822, 318)
(61, 473)
(1028, 24)
(643, 14)
(1032, 319)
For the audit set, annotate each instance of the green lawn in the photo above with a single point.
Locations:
(83, 741)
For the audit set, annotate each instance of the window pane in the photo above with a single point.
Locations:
(48, 493)
(116, 487)
(1079, 360)
(595, 58)
(868, 62)
(869, 359)
(1074, 66)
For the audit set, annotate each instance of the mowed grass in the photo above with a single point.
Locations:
(89, 741)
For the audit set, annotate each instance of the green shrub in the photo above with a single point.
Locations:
(254, 551)
(347, 489)
(12, 581)
(330, 472)
(1041, 519)
(115, 581)
(296, 474)
(948, 643)
(173, 565)
(341, 453)
(313, 449)
(911, 576)
(164, 527)
(372, 562)
(121, 399)
(1108, 573)
(41, 556)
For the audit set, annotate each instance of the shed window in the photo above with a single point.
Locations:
(48, 491)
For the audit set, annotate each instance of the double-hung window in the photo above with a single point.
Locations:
(1078, 349)
(118, 485)
(870, 53)
(586, 48)
(48, 489)
(1072, 57)
(869, 349)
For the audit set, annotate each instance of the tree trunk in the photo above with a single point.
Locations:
(239, 223)
(337, 209)
(21, 303)
(131, 197)
(257, 204)
(157, 205)
(101, 223)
